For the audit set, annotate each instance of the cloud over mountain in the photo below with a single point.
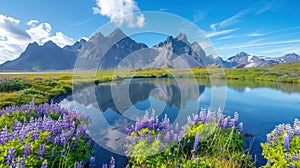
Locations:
(14, 37)
(120, 11)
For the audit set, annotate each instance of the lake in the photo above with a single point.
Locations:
(114, 106)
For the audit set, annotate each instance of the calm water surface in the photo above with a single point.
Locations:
(114, 106)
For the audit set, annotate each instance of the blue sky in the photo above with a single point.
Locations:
(259, 27)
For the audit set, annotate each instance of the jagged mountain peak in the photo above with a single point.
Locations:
(117, 33)
(50, 43)
(196, 45)
(182, 37)
(239, 55)
(96, 37)
(292, 54)
(33, 44)
(79, 42)
(242, 54)
(169, 39)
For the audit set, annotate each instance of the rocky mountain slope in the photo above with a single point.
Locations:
(117, 50)
(45, 57)
(243, 59)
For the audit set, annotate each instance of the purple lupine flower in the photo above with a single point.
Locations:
(158, 137)
(178, 165)
(56, 140)
(269, 138)
(296, 123)
(149, 136)
(104, 166)
(161, 147)
(41, 151)
(180, 136)
(286, 142)
(44, 164)
(32, 105)
(210, 115)
(25, 79)
(196, 142)
(3, 135)
(236, 117)
(292, 165)
(10, 157)
(297, 130)
(63, 139)
(225, 123)
(20, 163)
(143, 135)
(176, 127)
(167, 137)
(175, 137)
(280, 128)
(241, 127)
(26, 151)
(78, 164)
(112, 162)
(289, 131)
(132, 140)
(294, 156)
(219, 149)
(202, 116)
(35, 134)
(189, 121)
(287, 158)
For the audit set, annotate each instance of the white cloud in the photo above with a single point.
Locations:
(32, 22)
(163, 9)
(14, 39)
(263, 44)
(255, 34)
(60, 39)
(40, 32)
(279, 50)
(199, 15)
(214, 26)
(140, 20)
(9, 27)
(223, 32)
(270, 5)
(229, 21)
(264, 9)
(120, 11)
(85, 38)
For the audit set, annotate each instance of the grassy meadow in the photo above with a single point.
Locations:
(18, 89)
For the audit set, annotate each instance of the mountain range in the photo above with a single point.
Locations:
(120, 51)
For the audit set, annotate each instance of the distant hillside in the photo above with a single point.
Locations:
(46, 57)
(243, 59)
